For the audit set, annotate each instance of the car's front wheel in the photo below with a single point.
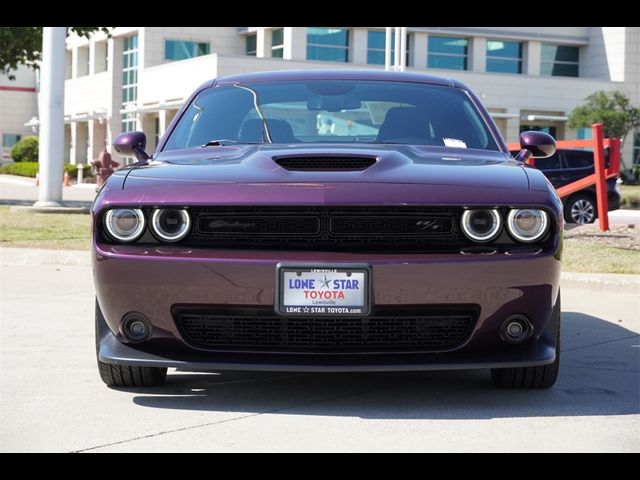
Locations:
(115, 375)
(543, 376)
(580, 208)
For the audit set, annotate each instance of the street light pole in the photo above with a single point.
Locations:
(51, 109)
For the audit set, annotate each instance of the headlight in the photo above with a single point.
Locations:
(527, 224)
(124, 224)
(481, 225)
(170, 224)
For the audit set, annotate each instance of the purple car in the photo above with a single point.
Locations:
(329, 221)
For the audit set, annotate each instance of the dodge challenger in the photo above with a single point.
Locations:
(328, 220)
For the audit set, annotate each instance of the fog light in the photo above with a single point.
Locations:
(135, 327)
(516, 329)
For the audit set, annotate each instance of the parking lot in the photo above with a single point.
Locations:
(53, 400)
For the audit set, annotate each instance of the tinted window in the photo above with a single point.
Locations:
(333, 111)
(330, 44)
(578, 159)
(550, 163)
(448, 52)
(504, 57)
(181, 50)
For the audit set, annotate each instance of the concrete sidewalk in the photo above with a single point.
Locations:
(16, 190)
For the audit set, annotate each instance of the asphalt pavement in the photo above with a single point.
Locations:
(52, 399)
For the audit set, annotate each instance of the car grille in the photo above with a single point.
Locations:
(326, 228)
(324, 164)
(427, 332)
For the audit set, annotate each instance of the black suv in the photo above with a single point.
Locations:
(566, 166)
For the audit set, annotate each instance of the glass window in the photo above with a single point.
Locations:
(549, 163)
(10, 139)
(376, 47)
(330, 111)
(504, 57)
(636, 149)
(331, 44)
(577, 158)
(181, 50)
(251, 45)
(448, 52)
(129, 72)
(560, 60)
(277, 43)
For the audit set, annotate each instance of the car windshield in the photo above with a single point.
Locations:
(332, 111)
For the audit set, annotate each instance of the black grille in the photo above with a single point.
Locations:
(379, 333)
(233, 224)
(394, 226)
(340, 164)
(327, 228)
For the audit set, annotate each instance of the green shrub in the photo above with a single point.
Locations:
(73, 170)
(24, 169)
(26, 150)
(29, 169)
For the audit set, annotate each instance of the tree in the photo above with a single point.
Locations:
(23, 45)
(613, 109)
(26, 150)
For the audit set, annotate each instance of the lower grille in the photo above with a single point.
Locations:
(388, 333)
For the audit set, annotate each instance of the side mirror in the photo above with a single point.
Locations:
(132, 143)
(536, 144)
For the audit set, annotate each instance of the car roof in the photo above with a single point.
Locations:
(337, 74)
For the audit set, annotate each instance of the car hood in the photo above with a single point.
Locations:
(395, 164)
(249, 175)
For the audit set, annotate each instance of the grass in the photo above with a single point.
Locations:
(42, 230)
(588, 258)
(630, 196)
(72, 232)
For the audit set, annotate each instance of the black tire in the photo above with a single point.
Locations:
(543, 376)
(114, 375)
(581, 209)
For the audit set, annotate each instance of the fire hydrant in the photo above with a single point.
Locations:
(104, 167)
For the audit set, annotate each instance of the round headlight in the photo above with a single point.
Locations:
(170, 224)
(481, 225)
(124, 224)
(527, 224)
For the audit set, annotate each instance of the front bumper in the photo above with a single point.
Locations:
(152, 280)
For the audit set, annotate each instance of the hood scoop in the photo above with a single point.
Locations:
(332, 163)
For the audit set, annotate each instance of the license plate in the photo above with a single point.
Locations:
(323, 290)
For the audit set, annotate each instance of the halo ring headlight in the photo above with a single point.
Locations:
(481, 225)
(124, 224)
(527, 224)
(170, 224)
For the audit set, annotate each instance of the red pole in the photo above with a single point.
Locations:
(614, 156)
(601, 178)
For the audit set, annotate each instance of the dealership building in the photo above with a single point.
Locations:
(137, 79)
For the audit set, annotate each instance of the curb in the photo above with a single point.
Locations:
(35, 256)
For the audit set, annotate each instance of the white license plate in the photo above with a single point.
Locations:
(323, 290)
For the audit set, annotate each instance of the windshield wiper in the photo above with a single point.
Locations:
(226, 141)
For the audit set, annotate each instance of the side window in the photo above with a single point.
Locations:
(549, 163)
(578, 159)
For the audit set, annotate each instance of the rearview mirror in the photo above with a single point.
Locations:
(540, 144)
(132, 144)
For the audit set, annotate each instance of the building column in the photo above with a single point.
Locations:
(263, 46)
(418, 51)
(513, 126)
(295, 43)
(73, 149)
(162, 122)
(51, 100)
(478, 53)
(532, 56)
(358, 46)
(91, 139)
